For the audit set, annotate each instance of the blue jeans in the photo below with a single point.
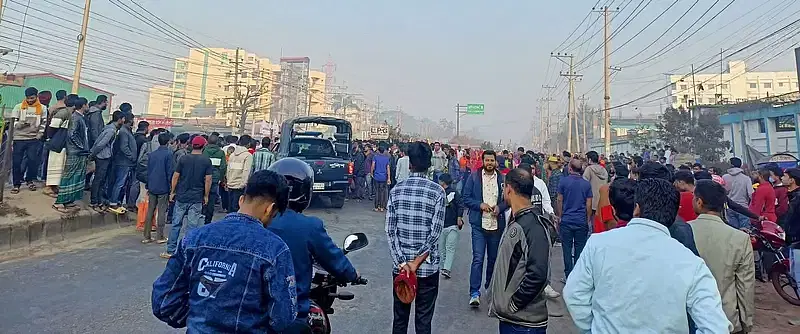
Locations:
(119, 176)
(573, 235)
(794, 265)
(737, 220)
(194, 219)
(509, 328)
(483, 243)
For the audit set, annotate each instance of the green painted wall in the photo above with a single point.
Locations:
(14, 95)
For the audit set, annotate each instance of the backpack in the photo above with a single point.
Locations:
(141, 162)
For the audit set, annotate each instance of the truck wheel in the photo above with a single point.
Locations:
(337, 201)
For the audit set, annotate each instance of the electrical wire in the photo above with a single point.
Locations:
(663, 33)
(666, 50)
(22, 32)
(774, 33)
(576, 28)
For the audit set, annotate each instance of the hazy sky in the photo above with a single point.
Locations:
(425, 56)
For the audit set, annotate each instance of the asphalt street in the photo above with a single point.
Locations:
(104, 286)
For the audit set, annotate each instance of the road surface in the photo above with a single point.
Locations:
(103, 285)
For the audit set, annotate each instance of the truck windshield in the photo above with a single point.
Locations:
(311, 147)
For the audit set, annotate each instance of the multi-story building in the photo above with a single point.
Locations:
(159, 101)
(205, 82)
(734, 85)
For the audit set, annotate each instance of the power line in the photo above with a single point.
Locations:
(22, 32)
(663, 33)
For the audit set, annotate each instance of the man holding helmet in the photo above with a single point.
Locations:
(306, 236)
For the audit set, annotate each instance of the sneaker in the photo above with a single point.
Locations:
(161, 241)
(549, 292)
(446, 273)
(165, 255)
(475, 301)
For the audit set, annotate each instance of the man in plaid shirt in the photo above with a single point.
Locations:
(414, 221)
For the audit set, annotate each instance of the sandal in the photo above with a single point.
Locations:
(15, 190)
(63, 209)
(31, 186)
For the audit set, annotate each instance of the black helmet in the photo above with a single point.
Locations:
(300, 178)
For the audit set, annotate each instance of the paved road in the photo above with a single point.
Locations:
(105, 286)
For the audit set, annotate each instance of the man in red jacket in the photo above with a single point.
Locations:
(763, 202)
(781, 193)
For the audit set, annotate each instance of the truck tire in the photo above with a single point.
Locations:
(337, 201)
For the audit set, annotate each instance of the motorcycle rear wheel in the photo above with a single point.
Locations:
(782, 279)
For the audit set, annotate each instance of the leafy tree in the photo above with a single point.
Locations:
(707, 137)
(642, 136)
(675, 128)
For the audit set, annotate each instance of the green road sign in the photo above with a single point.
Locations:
(475, 109)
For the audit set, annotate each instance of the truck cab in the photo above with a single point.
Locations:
(329, 157)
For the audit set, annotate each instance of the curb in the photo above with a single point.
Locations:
(32, 232)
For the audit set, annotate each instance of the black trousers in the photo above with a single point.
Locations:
(25, 156)
(99, 186)
(424, 304)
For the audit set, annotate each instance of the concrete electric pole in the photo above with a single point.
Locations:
(547, 101)
(606, 79)
(76, 76)
(583, 122)
(571, 77)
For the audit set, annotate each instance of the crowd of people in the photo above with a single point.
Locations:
(679, 232)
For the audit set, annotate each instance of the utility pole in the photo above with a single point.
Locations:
(547, 101)
(583, 120)
(571, 77)
(460, 110)
(607, 77)
(76, 76)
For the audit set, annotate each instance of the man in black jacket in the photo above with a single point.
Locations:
(522, 268)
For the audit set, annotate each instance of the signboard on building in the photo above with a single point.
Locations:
(475, 109)
(156, 123)
(379, 132)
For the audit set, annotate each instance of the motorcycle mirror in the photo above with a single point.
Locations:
(355, 242)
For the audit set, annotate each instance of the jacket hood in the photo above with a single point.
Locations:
(598, 171)
(93, 110)
(212, 148)
(238, 150)
(735, 171)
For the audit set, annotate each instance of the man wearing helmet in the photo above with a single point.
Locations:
(306, 236)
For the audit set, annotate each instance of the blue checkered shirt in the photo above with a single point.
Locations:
(414, 221)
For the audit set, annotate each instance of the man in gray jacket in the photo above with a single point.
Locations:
(522, 269)
(101, 153)
(123, 161)
(740, 190)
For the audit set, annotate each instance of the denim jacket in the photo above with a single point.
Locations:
(233, 276)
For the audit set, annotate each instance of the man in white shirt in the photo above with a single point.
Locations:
(638, 279)
(403, 169)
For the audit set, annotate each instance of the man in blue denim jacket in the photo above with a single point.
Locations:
(233, 275)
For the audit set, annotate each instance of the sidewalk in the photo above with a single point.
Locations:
(43, 224)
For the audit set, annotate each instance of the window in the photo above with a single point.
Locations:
(762, 126)
(228, 75)
(253, 88)
(255, 74)
(177, 105)
(180, 75)
(711, 86)
(724, 86)
(785, 123)
(753, 85)
(179, 95)
(180, 86)
(674, 99)
(767, 85)
(244, 74)
(674, 86)
(227, 88)
(180, 65)
(780, 84)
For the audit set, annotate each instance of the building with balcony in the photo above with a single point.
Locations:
(733, 85)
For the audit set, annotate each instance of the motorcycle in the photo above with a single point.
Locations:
(324, 288)
(770, 238)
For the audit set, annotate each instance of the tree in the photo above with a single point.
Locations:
(675, 129)
(487, 146)
(707, 137)
(642, 136)
(247, 99)
(701, 135)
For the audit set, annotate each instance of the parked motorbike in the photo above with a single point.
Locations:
(324, 288)
(768, 237)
